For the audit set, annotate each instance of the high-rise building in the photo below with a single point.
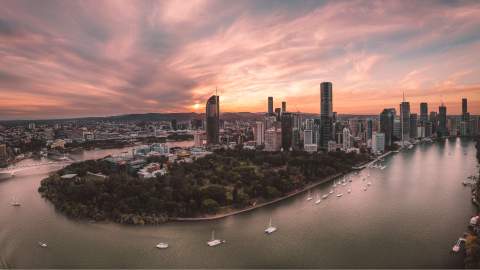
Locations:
(287, 131)
(369, 130)
(397, 129)
(442, 121)
(259, 133)
(387, 120)
(378, 142)
(273, 139)
(278, 113)
(326, 113)
(423, 112)
(346, 139)
(405, 119)
(212, 119)
(413, 126)
(464, 109)
(307, 136)
(270, 105)
(434, 121)
(284, 106)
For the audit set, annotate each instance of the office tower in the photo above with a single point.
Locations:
(405, 119)
(270, 121)
(259, 133)
(442, 121)
(378, 142)
(369, 129)
(397, 129)
(270, 105)
(212, 119)
(287, 131)
(423, 112)
(387, 120)
(434, 120)
(284, 106)
(278, 113)
(307, 136)
(413, 126)
(326, 113)
(273, 138)
(464, 109)
(346, 139)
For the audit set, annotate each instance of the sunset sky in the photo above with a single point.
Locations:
(96, 58)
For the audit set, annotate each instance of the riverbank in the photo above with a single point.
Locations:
(257, 206)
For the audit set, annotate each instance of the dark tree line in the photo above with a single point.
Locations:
(223, 180)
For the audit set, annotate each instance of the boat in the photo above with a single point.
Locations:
(42, 244)
(383, 167)
(331, 191)
(214, 242)
(410, 146)
(325, 196)
(309, 196)
(270, 228)
(15, 202)
(162, 245)
(458, 245)
(344, 184)
(339, 194)
(364, 188)
(349, 190)
(334, 184)
(369, 183)
(318, 199)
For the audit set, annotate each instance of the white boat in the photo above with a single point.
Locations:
(15, 202)
(270, 228)
(369, 183)
(339, 194)
(344, 184)
(331, 191)
(309, 196)
(334, 184)
(456, 248)
(349, 190)
(318, 199)
(162, 245)
(325, 196)
(364, 188)
(42, 244)
(214, 242)
(383, 167)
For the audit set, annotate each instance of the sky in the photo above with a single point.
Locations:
(63, 59)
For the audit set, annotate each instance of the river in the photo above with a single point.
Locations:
(409, 217)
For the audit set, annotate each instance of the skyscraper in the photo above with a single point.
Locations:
(405, 119)
(464, 108)
(423, 113)
(284, 106)
(212, 115)
(259, 133)
(442, 121)
(287, 131)
(326, 113)
(413, 126)
(387, 120)
(434, 121)
(270, 105)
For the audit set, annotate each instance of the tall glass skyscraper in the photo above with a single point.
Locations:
(270, 105)
(405, 120)
(287, 131)
(212, 115)
(326, 113)
(423, 112)
(387, 119)
(442, 121)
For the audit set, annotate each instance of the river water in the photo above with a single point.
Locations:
(409, 217)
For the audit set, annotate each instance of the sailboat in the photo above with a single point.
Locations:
(318, 199)
(309, 196)
(334, 184)
(270, 229)
(349, 190)
(42, 244)
(15, 202)
(331, 191)
(214, 242)
(325, 196)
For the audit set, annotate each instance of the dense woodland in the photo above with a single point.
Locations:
(221, 181)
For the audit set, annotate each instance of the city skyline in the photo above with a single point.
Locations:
(75, 59)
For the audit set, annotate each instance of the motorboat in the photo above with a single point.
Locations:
(369, 183)
(339, 194)
(458, 245)
(42, 244)
(270, 229)
(215, 242)
(162, 245)
(331, 191)
(364, 188)
(334, 184)
(344, 184)
(325, 196)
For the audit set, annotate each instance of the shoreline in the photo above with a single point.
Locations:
(251, 208)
